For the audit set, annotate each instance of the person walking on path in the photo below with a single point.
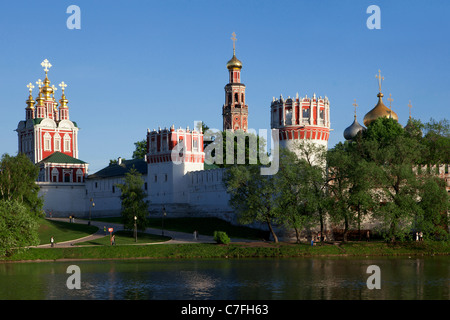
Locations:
(113, 240)
(52, 242)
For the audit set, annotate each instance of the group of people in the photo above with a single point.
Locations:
(419, 236)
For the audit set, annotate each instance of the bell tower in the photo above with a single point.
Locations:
(235, 111)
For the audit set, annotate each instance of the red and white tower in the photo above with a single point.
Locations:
(301, 119)
(171, 153)
(235, 111)
(48, 137)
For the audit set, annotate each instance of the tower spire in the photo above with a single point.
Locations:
(355, 105)
(234, 42)
(409, 106)
(380, 79)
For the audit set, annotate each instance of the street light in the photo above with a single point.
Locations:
(135, 229)
(164, 215)
(93, 205)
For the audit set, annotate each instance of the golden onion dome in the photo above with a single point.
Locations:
(47, 90)
(63, 101)
(30, 102)
(234, 63)
(380, 110)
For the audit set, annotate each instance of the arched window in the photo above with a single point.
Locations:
(79, 175)
(57, 142)
(55, 175)
(236, 97)
(66, 143)
(47, 142)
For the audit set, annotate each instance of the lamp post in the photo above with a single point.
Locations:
(164, 215)
(91, 206)
(135, 229)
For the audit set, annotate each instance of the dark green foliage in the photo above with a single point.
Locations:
(18, 228)
(140, 149)
(18, 177)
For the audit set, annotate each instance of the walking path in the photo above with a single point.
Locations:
(177, 237)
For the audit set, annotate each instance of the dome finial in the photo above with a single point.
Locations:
(234, 62)
(355, 105)
(409, 106)
(234, 42)
(380, 79)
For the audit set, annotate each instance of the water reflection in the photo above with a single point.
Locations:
(288, 279)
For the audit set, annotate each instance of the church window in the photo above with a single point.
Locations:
(195, 145)
(165, 177)
(47, 142)
(236, 98)
(57, 142)
(55, 175)
(67, 176)
(305, 114)
(66, 143)
(156, 178)
(79, 175)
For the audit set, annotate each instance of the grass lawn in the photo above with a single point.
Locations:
(63, 231)
(205, 226)
(237, 250)
(126, 237)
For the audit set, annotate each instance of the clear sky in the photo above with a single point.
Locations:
(139, 64)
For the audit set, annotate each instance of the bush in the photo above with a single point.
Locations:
(18, 227)
(221, 237)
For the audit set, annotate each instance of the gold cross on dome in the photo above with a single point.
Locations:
(355, 105)
(46, 65)
(380, 79)
(30, 87)
(409, 106)
(39, 83)
(54, 89)
(234, 41)
(63, 86)
(390, 100)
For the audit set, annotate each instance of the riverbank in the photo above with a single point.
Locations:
(233, 250)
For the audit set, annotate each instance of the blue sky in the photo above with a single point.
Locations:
(141, 64)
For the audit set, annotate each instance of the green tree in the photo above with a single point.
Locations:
(437, 142)
(133, 201)
(252, 195)
(299, 196)
(395, 156)
(18, 177)
(140, 149)
(18, 228)
(432, 218)
(349, 186)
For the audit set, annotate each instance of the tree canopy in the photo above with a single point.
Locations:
(133, 201)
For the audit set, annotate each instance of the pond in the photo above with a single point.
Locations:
(230, 279)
